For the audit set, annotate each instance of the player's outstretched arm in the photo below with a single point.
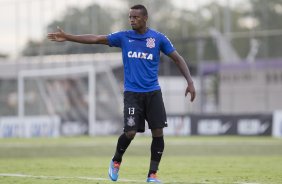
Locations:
(61, 36)
(182, 66)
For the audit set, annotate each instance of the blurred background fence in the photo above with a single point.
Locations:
(233, 49)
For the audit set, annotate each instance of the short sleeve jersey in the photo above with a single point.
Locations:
(141, 57)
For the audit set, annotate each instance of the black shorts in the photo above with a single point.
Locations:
(139, 107)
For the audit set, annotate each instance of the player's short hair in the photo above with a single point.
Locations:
(140, 7)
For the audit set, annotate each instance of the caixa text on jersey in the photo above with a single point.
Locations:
(141, 55)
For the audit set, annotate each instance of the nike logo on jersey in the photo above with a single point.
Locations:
(141, 55)
(131, 41)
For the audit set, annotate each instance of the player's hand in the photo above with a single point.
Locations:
(191, 89)
(59, 36)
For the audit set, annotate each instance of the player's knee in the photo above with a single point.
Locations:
(130, 134)
(157, 132)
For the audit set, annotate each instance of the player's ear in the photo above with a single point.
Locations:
(145, 18)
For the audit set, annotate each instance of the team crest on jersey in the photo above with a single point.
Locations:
(130, 121)
(150, 42)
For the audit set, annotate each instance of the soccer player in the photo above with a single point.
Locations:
(141, 48)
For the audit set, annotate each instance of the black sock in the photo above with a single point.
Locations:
(157, 148)
(122, 144)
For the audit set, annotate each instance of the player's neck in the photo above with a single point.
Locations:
(142, 30)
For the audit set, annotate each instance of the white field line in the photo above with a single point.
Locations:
(65, 177)
(89, 178)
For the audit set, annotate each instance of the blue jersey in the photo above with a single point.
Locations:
(141, 57)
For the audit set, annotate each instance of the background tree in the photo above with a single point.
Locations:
(184, 27)
(269, 16)
(93, 19)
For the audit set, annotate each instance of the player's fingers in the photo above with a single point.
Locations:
(193, 96)
(51, 36)
(186, 92)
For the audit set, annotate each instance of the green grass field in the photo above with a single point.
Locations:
(191, 160)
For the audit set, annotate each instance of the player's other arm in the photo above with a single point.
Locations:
(182, 66)
(61, 36)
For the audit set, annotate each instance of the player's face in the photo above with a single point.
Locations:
(137, 20)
